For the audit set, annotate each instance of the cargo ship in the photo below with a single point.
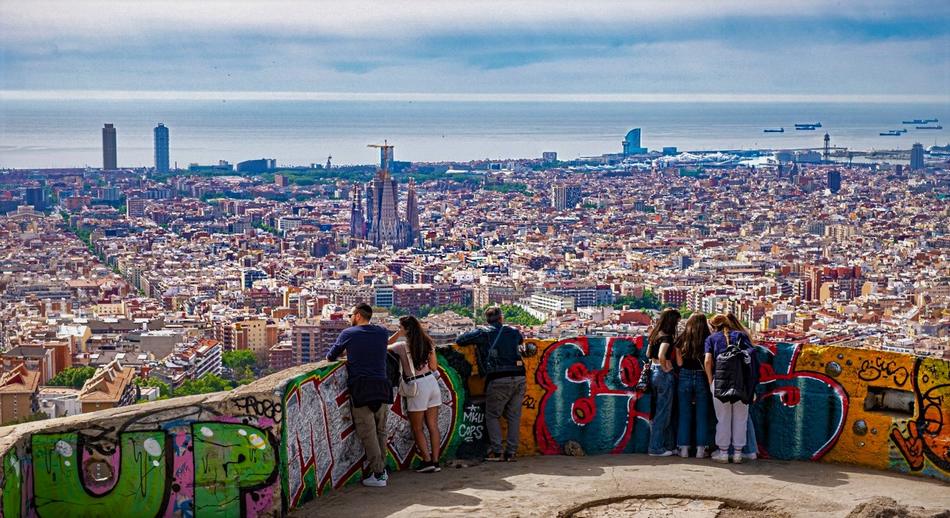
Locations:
(920, 121)
(891, 133)
(930, 127)
(773, 130)
(807, 126)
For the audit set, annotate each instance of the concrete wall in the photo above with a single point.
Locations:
(282, 441)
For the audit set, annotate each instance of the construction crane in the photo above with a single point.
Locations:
(385, 154)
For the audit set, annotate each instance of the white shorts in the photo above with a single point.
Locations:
(428, 395)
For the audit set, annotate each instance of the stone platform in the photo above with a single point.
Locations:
(558, 486)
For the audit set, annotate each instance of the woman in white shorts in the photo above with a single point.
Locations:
(420, 371)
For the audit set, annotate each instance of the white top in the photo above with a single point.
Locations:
(402, 350)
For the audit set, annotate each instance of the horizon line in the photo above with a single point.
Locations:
(258, 95)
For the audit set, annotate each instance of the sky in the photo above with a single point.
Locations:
(682, 49)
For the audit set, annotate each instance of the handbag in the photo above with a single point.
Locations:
(408, 389)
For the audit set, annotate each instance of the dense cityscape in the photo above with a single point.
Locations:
(123, 284)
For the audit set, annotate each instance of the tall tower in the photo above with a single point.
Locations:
(357, 220)
(834, 181)
(412, 213)
(383, 222)
(108, 148)
(917, 157)
(827, 155)
(161, 148)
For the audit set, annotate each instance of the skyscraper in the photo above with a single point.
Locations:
(631, 144)
(380, 223)
(834, 181)
(917, 157)
(161, 148)
(108, 148)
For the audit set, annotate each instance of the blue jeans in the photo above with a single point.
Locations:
(695, 408)
(661, 431)
(751, 446)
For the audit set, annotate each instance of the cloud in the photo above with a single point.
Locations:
(731, 46)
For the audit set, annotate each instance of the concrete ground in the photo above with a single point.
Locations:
(556, 485)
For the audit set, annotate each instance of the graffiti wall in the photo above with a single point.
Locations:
(272, 447)
(184, 461)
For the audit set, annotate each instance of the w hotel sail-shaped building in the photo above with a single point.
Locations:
(380, 223)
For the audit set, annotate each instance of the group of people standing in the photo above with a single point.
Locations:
(682, 379)
(682, 376)
(498, 352)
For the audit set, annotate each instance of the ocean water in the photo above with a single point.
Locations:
(68, 133)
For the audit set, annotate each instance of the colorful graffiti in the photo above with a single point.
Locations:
(268, 452)
(189, 461)
(590, 396)
(321, 448)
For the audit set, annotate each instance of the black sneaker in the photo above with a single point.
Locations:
(435, 466)
(427, 467)
(494, 457)
(510, 457)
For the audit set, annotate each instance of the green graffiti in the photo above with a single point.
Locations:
(230, 459)
(57, 479)
(12, 486)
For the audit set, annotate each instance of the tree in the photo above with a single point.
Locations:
(73, 377)
(648, 300)
(239, 360)
(164, 391)
(204, 385)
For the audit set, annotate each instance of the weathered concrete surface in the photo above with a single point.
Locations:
(549, 485)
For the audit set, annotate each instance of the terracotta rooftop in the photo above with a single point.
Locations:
(19, 380)
(107, 384)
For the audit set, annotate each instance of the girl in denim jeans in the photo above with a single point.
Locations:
(660, 352)
(693, 396)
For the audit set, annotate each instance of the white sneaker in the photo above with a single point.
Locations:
(700, 452)
(737, 458)
(684, 452)
(749, 456)
(665, 453)
(373, 481)
(721, 456)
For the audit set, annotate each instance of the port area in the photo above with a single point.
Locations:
(669, 486)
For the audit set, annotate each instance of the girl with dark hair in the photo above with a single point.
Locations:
(420, 386)
(663, 380)
(693, 396)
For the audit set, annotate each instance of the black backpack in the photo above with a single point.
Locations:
(734, 377)
(393, 368)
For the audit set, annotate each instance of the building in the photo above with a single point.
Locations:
(380, 222)
(251, 334)
(161, 148)
(250, 275)
(261, 165)
(109, 160)
(18, 394)
(281, 180)
(549, 156)
(110, 387)
(834, 181)
(917, 157)
(631, 144)
(565, 196)
(135, 207)
(36, 196)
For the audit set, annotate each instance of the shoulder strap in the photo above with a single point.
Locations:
(495, 342)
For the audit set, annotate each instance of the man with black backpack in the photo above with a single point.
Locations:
(731, 369)
(498, 353)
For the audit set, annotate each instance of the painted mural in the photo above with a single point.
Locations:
(188, 461)
(321, 448)
(268, 453)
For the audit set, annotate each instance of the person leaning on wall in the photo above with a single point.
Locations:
(498, 353)
(371, 393)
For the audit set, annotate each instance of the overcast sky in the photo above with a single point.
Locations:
(896, 49)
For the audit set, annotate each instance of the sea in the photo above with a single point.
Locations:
(67, 133)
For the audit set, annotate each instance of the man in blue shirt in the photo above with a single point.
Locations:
(370, 391)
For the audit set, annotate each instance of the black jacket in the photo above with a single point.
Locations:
(497, 350)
